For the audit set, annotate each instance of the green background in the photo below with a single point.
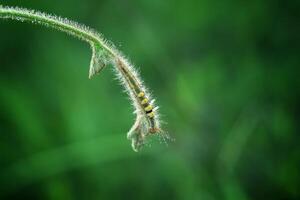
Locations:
(225, 75)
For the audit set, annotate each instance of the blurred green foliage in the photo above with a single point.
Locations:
(225, 74)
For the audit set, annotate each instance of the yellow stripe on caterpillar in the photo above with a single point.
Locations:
(141, 94)
(148, 108)
(144, 101)
(151, 115)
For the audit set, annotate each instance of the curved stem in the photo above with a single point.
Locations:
(58, 23)
(103, 54)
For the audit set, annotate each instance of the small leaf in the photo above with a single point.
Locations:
(99, 60)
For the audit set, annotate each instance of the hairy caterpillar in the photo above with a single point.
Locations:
(147, 121)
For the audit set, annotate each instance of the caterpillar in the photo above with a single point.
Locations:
(147, 121)
(142, 99)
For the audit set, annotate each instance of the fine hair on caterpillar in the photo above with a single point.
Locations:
(147, 120)
(103, 53)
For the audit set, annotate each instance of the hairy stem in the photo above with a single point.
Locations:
(147, 120)
(59, 23)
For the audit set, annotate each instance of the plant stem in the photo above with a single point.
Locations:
(147, 120)
(58, 23)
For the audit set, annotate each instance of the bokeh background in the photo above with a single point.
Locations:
(225, 74)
